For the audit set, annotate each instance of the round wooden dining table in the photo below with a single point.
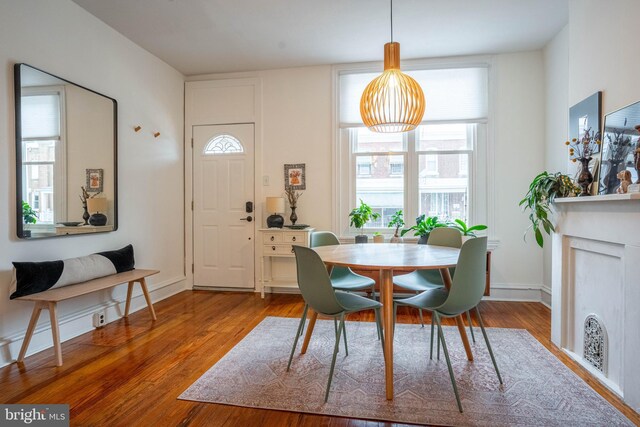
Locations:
(385, 257)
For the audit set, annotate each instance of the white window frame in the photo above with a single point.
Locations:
(481, 161)
(60, 161)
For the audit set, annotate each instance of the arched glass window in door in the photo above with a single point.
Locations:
(224, 144)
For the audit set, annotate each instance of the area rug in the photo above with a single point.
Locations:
(538, 389)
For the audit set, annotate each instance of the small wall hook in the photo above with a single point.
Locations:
(137, 128)
(156, 134)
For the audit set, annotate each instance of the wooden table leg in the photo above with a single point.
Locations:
(127, 305)
(386, 295)
(143, 284)
(55, 332)
(446, 279)
(35, 315)
(307, 337)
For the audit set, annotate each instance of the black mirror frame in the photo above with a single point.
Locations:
(18, 144)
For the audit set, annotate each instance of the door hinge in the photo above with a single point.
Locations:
(191, 142)
(193, 268)
(192, 205)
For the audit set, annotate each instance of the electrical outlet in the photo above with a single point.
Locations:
(265, 180)
(99, 319)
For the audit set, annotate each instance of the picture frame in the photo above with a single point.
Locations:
(294, 176)
(95, 180)
(587, 114)
(620, 147)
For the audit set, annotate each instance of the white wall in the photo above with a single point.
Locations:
(297, 128)
(556, 71)
(63, 39)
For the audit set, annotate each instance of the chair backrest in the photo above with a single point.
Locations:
(470, 278)
(323, 238)
(445, 236)
(314, 282)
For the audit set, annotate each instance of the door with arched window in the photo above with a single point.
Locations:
(223, 228)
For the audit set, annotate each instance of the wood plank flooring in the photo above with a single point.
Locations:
(130, 372)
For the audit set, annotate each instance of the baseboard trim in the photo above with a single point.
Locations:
(80, 322)
(514, 292)
(545, 295)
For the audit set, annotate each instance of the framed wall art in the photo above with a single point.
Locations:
(294, 177)
(620, 147)
(586, 115)
(94, 180)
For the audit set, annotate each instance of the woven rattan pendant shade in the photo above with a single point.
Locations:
(393, 101)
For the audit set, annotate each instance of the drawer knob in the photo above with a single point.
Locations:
(273, 248)
(293, 238)
(272, 238)
(292, 251)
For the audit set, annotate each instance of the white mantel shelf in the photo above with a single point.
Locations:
(605, 198)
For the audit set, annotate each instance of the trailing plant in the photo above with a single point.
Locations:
(397, 221)
(542, 192)
(29, 216)
(362, 215)
(425, 225)
(461, 226)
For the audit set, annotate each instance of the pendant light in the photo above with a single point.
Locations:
(393, 101)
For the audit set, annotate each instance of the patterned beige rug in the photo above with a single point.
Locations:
(539, 390)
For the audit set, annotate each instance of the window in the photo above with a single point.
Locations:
(224, 144)
(43, 170)
(437, 169)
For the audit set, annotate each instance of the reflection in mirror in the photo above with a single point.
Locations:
(66, 145)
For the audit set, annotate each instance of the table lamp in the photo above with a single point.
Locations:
(95, 206)
(275, 205)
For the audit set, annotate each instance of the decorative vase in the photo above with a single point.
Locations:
(396, 239)
(423, 239)
(293, 216)
(585, 178)
(362, 238)
(85, 215)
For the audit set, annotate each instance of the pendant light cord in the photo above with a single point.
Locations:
(391, 21)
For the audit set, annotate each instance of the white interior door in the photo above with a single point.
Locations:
(223, 184)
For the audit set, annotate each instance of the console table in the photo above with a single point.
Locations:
(278, 242)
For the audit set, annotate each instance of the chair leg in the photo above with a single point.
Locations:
(438, 340)
(333, 360)
(380, 332)
(420, 314)
(486, 339)
(344, 334)
(304, 319)
(473, 338)
(373, 292)
(446, 356)
(431, 348)
(295, 342)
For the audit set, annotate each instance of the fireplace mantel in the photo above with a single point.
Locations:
(596, 272)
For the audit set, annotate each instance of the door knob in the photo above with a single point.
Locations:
(249, 218)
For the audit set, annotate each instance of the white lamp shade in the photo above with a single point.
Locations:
(275, 205)
(97, 204)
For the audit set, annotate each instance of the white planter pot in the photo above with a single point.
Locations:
(378, 239)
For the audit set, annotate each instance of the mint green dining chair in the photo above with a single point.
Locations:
(465, 294)
(423, 280)
(343, 278)
(319, 294)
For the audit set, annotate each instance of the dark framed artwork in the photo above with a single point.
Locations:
(620, 147)
(294, 177)
(94, 180)
(585, 115)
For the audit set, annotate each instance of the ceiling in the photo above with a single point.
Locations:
(212, 36)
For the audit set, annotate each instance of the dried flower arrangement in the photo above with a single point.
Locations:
(588, 145)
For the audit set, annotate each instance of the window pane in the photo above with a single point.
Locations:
(371, 142)
(383, 189)
(39, 151)
(443, 185)
(444, 137)
(39, 194)
(40, 116)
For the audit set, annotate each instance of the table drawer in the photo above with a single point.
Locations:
(268, 238)
(293, 237)
(277, 250)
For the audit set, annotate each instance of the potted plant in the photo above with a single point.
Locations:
(542, 192)
(29, 216)
(466, 231)
(424, 226)
(359, 217)
(397, 221)
(378, 238)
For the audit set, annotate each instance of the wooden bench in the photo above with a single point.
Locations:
(49, 299)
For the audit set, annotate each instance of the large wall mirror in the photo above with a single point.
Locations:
(66, 157)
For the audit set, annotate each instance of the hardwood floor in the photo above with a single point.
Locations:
(130, 372)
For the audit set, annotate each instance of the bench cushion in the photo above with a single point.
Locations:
(33, 277)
